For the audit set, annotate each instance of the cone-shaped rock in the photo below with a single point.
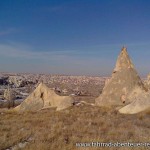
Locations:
(124, 79)
(43, 97)
(147, 82)
(140, 102)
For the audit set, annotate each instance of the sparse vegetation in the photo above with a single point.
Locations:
(51, 130)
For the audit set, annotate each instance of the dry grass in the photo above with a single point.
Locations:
(51, 130)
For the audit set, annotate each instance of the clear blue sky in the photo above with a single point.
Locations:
(79, 37)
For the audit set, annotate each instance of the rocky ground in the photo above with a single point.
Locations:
(52, 130)
(68, 129)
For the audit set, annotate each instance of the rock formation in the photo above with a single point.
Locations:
(10, 96)
(140, 102)
(124, 79)
(147, 82)
(43, 97)
(17, 81)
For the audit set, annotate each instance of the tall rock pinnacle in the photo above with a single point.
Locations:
(124, 79)
(123, 61)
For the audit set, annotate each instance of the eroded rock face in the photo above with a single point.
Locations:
(140, 102)
(43, 97)
(147, 82)
(124, 79)
(9, 94)
(17, 81)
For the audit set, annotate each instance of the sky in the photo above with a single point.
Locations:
(73, 37)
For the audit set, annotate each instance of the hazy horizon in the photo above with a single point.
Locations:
(73, 37)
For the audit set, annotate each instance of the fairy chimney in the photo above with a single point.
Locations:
(124, 78)
(10, 96)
